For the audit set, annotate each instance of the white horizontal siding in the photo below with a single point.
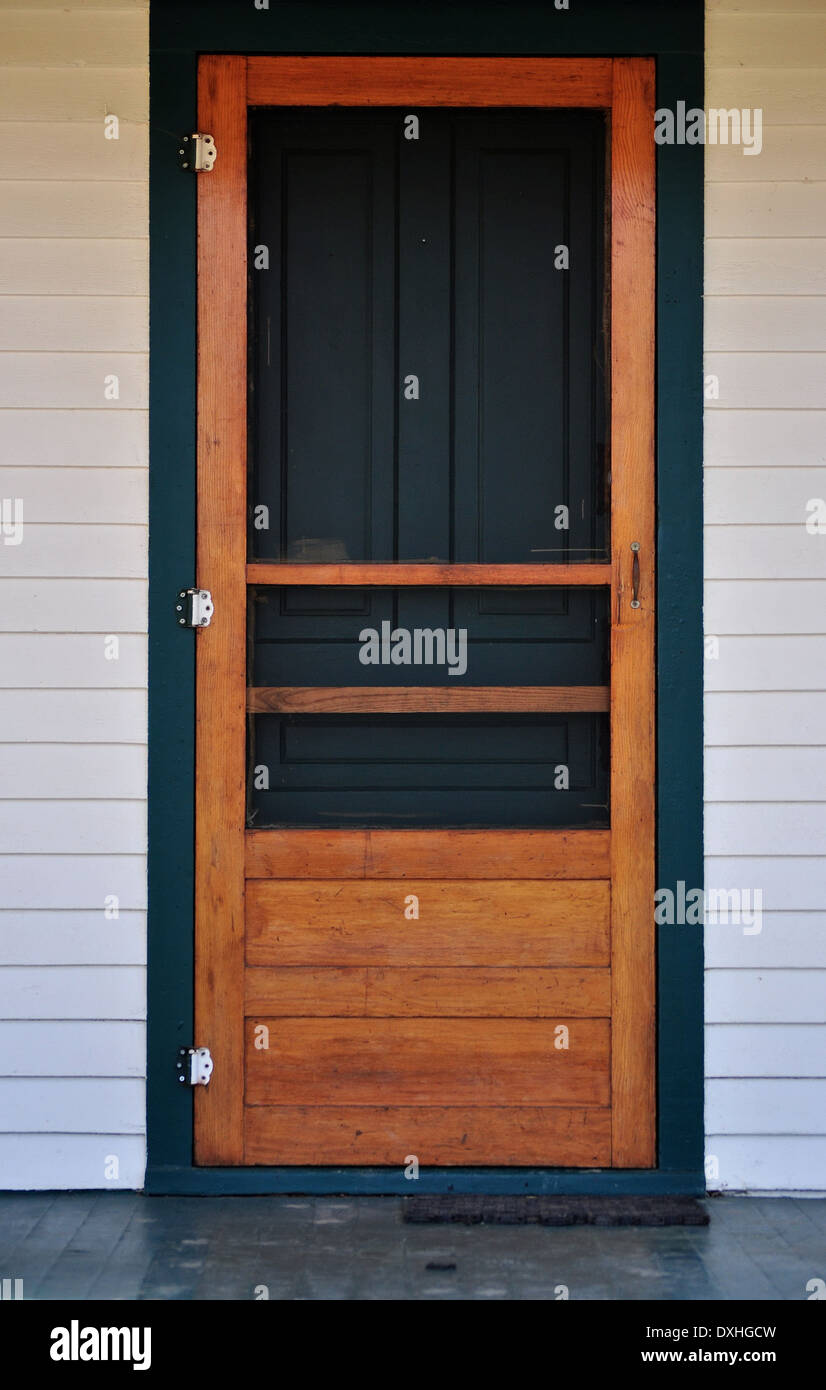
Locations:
(81, 937)
(765, 1050)
(73, 881)
(739, 1106)
(764, 438)
(766, 774)
(69, 1104)
(762, 38)
(70, 94)
(80, 5)
(73, 991)
(765, 717)
(73, 827)
(55, 1047)
(762, 380)
(765, 265)
(713, 7)
(788, 883)
(55, 380)
(73, 313)
(115, 36)
(765, 996)
(82, 266)
(766, 827)
(63, 323)
(768, 663)
(73, 716)
(54, 438)
(783, 102)
(90, 605)
(786, 941)
(785, 551)
(68, 552)
(78, 496)
(63, 772)
(772, 717)
(773, 209)
(746, 608)
(784, 156)
(42, 1160)
(767, 1163)
(82, 209)
(762, 496)
(75, 150)
(64, 659)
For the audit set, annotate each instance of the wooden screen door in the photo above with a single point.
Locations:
(425, 742)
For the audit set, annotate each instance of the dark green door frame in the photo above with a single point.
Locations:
(181, 31)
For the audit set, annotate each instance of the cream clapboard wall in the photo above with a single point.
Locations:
(73, 309)
(765, 599)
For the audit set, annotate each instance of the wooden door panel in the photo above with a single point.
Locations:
(467, 923)
(384, 1134)
(375, 991)
(433, 1061)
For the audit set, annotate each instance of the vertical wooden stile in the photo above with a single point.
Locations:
(632, 629)
(221, 661)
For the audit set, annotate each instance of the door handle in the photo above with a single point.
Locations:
(635, 575)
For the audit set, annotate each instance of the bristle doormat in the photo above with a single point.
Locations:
(555, 1211)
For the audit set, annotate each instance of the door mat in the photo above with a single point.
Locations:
(555, 1211)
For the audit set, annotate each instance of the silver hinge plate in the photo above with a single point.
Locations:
(197, 152)
(194, 1066)
(194, 607)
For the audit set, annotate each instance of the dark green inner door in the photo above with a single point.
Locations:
(427, 383)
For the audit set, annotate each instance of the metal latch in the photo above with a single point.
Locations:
(194, 1066)
(197, 152)
(194, 608)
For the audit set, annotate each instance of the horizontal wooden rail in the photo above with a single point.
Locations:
(428, 854)
(395, 575)
(353, 80)
(427, 699)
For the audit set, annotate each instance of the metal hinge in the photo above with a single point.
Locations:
(197, 152)
(194, 607)
(194, 1066)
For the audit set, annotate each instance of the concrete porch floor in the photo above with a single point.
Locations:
(123, 1245)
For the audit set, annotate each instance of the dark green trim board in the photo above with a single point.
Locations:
(390, 1182)
(673, 35)
(679, 618)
